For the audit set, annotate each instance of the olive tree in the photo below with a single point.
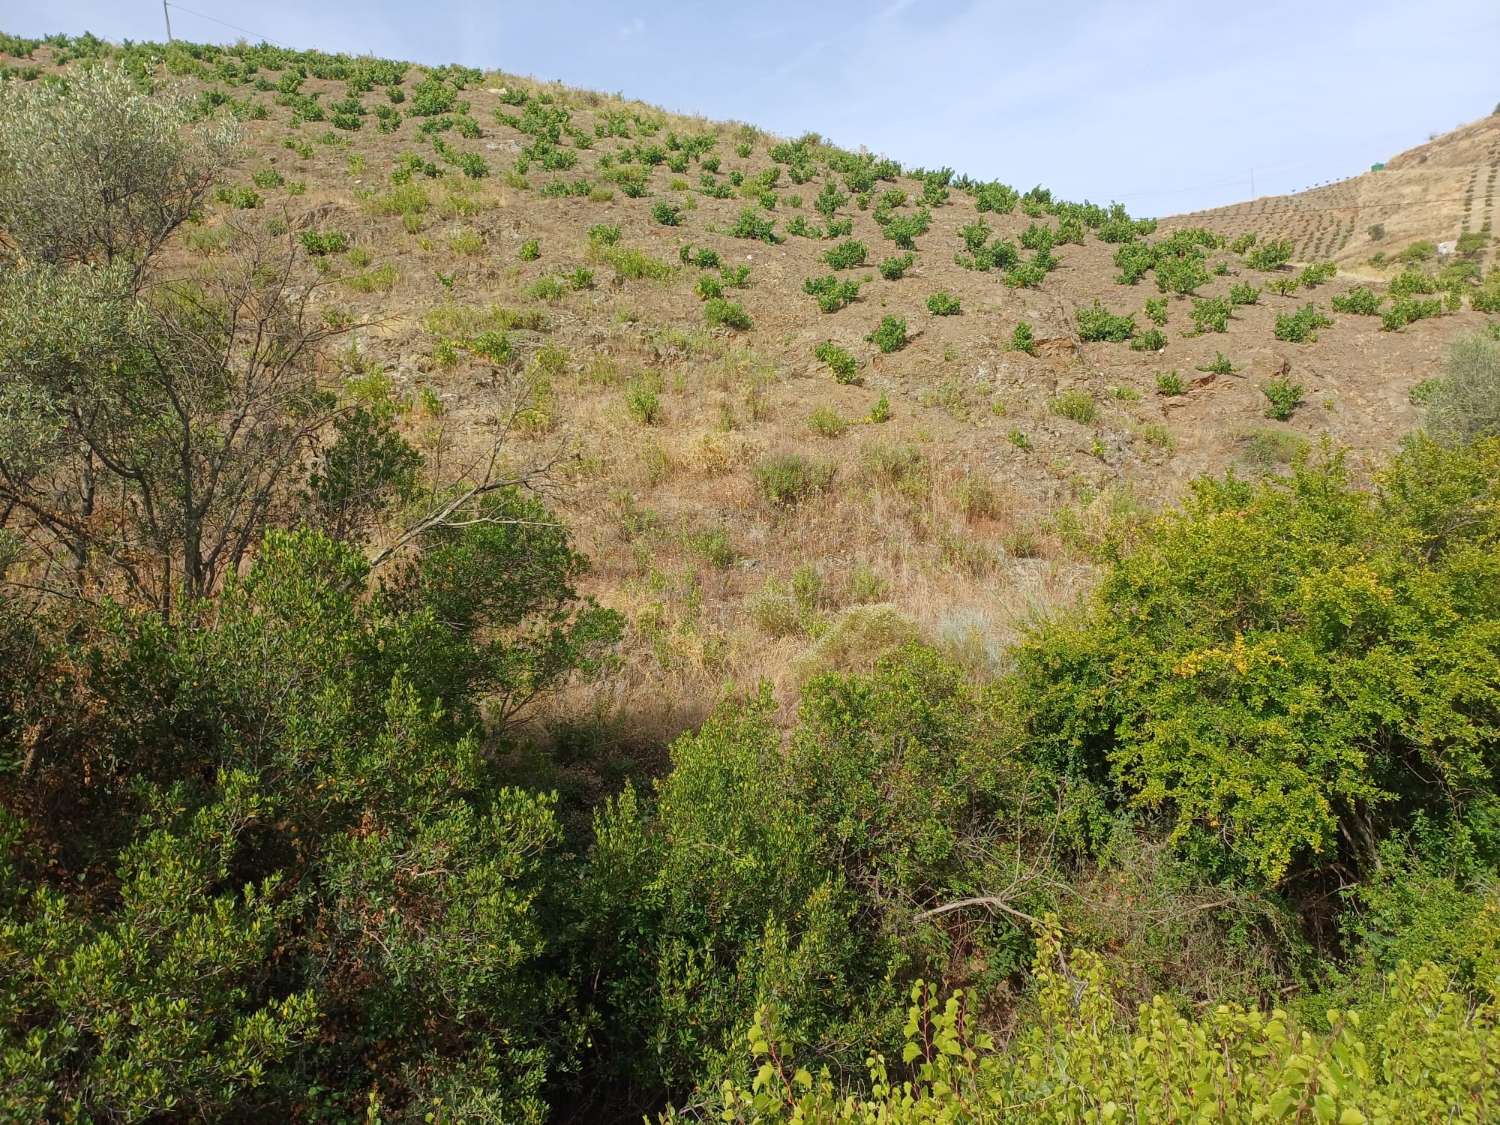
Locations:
(95, 168)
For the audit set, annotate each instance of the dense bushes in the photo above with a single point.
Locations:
(1296, 656)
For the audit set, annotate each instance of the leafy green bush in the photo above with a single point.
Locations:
(1211, 315)
(1156, 311)
(317, 243)
(846, 255)
(751, 225)
(893, 269)
(530, 250)
(844, 366)
(666, 213)
(1077, 405)
(832, 293)
(1300, 326)
(1243, 293)
(1151, 340)
(1269, 255)
(943, 304)
(1284, 395)
(1021, 338)
(643, 401)
(1169, 383)
(1406, 310)
(1361, 300)
(719, 313)
(1098, 323)
(890, 336)
(1408, 1058)
(1308, 629)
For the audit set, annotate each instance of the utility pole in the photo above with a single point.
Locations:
(1252, 170)
(166, 15)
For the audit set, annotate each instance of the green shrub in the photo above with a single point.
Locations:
(643, 401)
(1284, 397)
(1269, 255)
(826, 422)
(1151, 340)
(787, 479)
(666, 213)
(1211, 315)
(1021, 338)
(890, 336)
(1300, 326)
(1156, 311)
(1077, 405)
(893, 269)
(1169, 383)
(1323, 622)
(317, 243)
(844, 366)
(1361, 300)
(846, 255)
(832, 293)
(1316, 274)
(530, 250)
(1219, 365)
(1098, 323)
(1406, 310)
(751, 225)
(943, 304)
(719, 313)
(707, 288)
(1243, 293)
(1464, 405)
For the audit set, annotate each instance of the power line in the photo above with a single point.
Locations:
(217, 20)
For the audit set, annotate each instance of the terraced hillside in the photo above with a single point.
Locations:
(1436, 192)
(798, 401)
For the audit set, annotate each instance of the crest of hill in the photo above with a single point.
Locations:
(1436, 192)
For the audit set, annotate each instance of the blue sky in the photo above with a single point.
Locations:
(1164, 106)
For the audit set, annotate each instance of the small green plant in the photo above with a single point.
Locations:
(1169, 383)
(720, 313)
(317, 243)
(1022, 339)
(1098, 323)
(1151, 340)
(601, 234)
(751, 225)
(1219, 365)
(826, 422)
(1361, 300)
(530, 250)
(1211, 315)
(848, 254)
(844, 366)
(1156, 311)
(1284, 397)
(893, 269)
(943, 303)
(666, 213)
(1243, 293)
(1269, 255)
(881, 411)
(785, 480)
(832, 293)
(890, 336)
(1300, 326)
(707, 288)
(1018, 439)
(1077, 405)
(643, 401)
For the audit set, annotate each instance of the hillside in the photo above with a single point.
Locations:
(521, 607)
(1435, 192)
(975, 506)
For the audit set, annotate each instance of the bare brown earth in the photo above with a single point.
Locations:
(1001, 501)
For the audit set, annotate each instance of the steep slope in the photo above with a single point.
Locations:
(488, 233)
(1435, 192)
